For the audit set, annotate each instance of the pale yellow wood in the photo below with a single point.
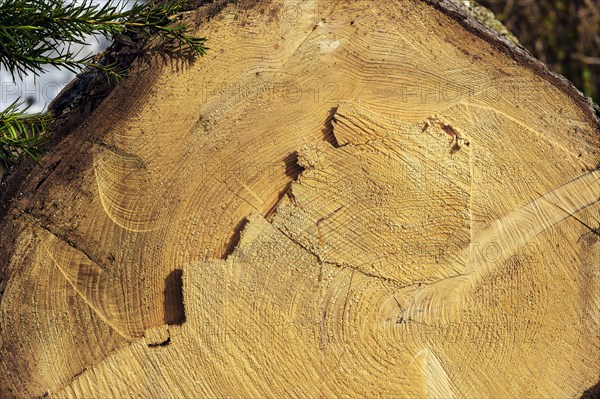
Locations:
(416, 207)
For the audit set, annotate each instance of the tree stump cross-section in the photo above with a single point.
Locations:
(341, 199)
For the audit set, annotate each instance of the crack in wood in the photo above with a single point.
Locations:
(47, 174)
(35, 221)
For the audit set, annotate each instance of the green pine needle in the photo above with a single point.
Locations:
(35, 34)
(22, 133)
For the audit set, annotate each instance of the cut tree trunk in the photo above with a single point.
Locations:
(342, 199)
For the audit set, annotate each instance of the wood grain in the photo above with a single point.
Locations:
(341, 199)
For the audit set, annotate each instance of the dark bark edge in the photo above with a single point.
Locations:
(519, 54)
